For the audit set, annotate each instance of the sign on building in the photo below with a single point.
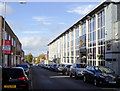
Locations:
(7, 47)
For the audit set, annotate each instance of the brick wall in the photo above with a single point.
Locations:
(13, 48)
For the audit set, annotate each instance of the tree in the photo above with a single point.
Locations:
(38, 59)
(41, 56)
(34, 60)
(29, 57)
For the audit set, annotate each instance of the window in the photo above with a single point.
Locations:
(12, 41)
(77, 32)
(68, 42)
(68, 60)
(71, 60)
(9, 37)
(5, 35)
(65, 45)
(83, 28)
(101, 25)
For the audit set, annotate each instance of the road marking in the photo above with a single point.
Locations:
(58, 76)
(60, 73)
(110, 88)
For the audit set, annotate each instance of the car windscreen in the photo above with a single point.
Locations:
(104, 69)
(54, 65)
(62, 65)
(81, 65)
(24, 66)
(68, 66)
(13, 73)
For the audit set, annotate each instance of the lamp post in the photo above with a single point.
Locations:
(4, 35)
(3, 47)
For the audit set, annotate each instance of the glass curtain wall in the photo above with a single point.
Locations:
(83, 43)
(65, 48)
(62, 48)
(83, 29)
(68, 39)
(92, 41)
(72, 44)
(77, 42)
(101, 38)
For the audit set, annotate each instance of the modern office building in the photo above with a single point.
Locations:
(94, 39)
(13, 57)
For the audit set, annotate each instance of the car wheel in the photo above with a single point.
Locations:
(96, 82)
(63, 73)
(66, 73)
(84, 79)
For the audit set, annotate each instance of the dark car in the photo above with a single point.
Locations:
(48, 66)
(25, 67)
(66, 70)
(100, 75)
(14, 78)
(53, 67)
(31, 65)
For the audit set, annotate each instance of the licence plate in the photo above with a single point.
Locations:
(114, 82)
(9, 86)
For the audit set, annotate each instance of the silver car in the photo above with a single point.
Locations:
(77, 70)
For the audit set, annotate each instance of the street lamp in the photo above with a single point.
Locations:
(21, 2)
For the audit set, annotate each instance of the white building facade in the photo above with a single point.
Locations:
(94, 39)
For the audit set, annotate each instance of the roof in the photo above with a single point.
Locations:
(12, 68)
(100, 6)
(14, 35)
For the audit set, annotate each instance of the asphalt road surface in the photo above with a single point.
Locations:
(44, 80)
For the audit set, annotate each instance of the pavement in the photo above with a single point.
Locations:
(45, 80)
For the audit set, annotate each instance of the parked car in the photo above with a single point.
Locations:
(45, 66)
(77, 70)
(31, 64)
(14, 78)
(66, 70)
(48, 66)
(25, 67)
(41, 65)
(53, 67)
(101, 75)
(60, 67)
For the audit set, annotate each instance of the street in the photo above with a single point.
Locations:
(43, 79)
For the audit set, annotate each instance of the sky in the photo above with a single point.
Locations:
(36, 24)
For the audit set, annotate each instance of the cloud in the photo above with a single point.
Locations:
(54, 0)
(81, 9)
(35, 45)
(9, 10)
(31, 32)
(41, 20)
